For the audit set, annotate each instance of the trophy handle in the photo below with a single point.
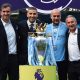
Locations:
(40, 28)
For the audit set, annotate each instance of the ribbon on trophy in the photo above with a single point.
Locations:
(55, 33)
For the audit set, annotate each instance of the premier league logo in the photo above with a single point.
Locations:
(39, 74)
(45, 6)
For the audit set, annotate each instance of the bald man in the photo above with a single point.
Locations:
(58, 31)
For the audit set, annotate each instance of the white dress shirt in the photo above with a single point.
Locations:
(74, 53)
(11, 37)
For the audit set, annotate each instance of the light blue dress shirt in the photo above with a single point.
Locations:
(32, 55)
(58, 34)
(11, 36)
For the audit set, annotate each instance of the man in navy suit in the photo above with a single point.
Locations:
(73, 48)
(8, 45)
(26, 26)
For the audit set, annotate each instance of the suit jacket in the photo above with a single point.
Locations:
(23, 41)
(4, 49)
(78, 39)
(78, 36)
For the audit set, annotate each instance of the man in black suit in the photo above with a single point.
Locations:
(8, 45)
(73, 48)
(26, 26)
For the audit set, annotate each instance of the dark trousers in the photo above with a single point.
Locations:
(11, 69)
(74, 70)
(62, 70)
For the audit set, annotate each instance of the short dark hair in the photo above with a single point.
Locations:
(5, 5)
(32, 8)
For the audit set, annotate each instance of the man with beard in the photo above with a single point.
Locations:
(58, 30)
(73, 48)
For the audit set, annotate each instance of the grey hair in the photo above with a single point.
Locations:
(71, 16)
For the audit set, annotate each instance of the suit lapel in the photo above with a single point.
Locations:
(78, 38)
(3, 33)
(14, 26)
(26, 25)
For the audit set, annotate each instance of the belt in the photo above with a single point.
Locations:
(12, 53)
(78, 61)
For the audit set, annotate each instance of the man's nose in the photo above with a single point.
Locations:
(70, 23)
(56, 17)
(32, 15)
(5, 13)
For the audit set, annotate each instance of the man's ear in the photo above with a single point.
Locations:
(27, 14)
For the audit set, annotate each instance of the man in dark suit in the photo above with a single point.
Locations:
(8, 45)
(73, 48)
(26, 26)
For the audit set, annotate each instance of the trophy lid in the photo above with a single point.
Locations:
(40, 36)
(40, 32)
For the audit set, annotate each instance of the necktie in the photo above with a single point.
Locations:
(31, 28)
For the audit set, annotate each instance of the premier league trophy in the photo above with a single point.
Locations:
(40, 47)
